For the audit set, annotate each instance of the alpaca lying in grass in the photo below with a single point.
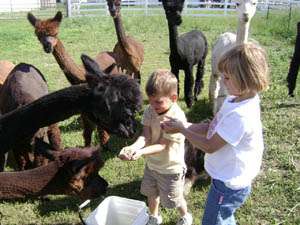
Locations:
(73, 171)
(24, 84)
(295, 65)
(186, 51)
(109, 101)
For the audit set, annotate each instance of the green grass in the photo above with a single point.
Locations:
(276, 191)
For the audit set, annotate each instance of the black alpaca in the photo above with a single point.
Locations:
(186, 51)
(109, 101)
(295, 64)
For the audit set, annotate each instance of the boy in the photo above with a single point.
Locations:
(164, 172)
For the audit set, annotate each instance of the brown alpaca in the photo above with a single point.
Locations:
(73, 171)
(128, 53)
(23, 85)
(47, 33)
(5, 68)
(109, 101)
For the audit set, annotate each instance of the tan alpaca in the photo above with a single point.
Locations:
(128, 53)
(245, 11)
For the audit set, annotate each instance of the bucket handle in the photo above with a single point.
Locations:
(80, 207)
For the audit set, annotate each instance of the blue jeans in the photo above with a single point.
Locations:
(222, 202)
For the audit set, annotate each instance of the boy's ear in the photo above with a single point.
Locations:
(174, 97)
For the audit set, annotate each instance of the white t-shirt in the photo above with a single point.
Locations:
(170, 160)
(239, 161)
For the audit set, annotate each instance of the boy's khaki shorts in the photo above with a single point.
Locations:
(169, 187)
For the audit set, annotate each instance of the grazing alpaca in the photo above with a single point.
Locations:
(245, 11)
(295, 64)
(187, 50)
(109, 101)
(73, 171)
(47, 33)
(5, 68)
(23, 85)
(128, 53)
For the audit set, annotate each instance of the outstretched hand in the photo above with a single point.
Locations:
(172, 125)
(126, 153)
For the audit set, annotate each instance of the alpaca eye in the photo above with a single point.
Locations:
(237, 4)
(254, 3)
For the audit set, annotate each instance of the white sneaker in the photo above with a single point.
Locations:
(187, 219)
(154, 220)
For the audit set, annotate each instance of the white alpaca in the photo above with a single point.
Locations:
(245, 11)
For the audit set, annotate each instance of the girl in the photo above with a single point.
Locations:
(233, 140)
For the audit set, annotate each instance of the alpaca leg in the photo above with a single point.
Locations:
(214, 86)
(103, 137)
(23, 156)
(3, 160)
(137, 76)
(188, 85)
(88, 128)
(175, 71)
(54, 136)
(293, 71)
(199, 82)
(294, 66)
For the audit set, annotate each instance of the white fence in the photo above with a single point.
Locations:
(153, 7)
(11, 9)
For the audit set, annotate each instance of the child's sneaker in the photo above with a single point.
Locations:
(154, 220)
(187, 219)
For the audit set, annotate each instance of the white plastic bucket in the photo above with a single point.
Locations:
(115, 210)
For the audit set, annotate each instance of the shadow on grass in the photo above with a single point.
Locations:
(200, 110)
(75, 125)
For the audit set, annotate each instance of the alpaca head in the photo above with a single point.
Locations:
(114, 7)
(115, 99)
(173, 9)
(245, 10)
(78, 170)
(46, 30)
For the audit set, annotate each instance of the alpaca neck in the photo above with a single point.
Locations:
(242, 32)
(22, 123)
(173, 37)
(27, 183)
(74, 73)
(120, 31)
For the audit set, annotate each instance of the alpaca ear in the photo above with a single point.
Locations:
(93, 72)
(32, 19)
(58, 17)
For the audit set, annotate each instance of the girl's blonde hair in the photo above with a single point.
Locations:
(247, 65)
(161, 82)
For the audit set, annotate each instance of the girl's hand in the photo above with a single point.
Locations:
(126, 153)
(172, 125)
(136, 155)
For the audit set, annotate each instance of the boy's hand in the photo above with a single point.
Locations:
(136, 154)
(126, 153)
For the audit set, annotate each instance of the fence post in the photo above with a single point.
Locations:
(146, 7)
(225, 7)
(69, 8)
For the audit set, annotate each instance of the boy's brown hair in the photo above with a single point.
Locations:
(161, 82)
(247, 65)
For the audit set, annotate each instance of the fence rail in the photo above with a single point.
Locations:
(13, 9)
